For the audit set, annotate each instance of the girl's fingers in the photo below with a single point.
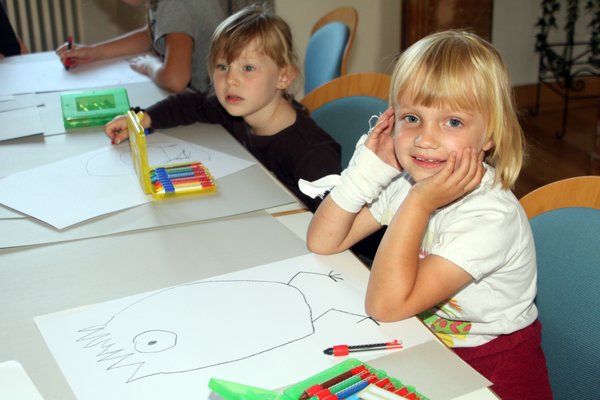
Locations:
(384, 119)
(474, 170)
(448, 169)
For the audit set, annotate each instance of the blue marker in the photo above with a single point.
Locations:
(349, 391)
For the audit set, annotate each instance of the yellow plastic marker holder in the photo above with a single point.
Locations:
(139, 156)
(139, 151)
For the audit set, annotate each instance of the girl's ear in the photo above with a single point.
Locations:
(287, 75)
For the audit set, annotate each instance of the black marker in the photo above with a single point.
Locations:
(344, 350)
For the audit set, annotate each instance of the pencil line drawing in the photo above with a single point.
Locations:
(103, 164)
(210, 323)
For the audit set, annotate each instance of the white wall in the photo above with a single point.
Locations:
(106, 19)
(513, 34)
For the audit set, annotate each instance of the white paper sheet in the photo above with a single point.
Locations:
(48, 76)
(22, 101)
(265, 326)
(20, 123)
(453, 376)
(15, 384)
(76, 189)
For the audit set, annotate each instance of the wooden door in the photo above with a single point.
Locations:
(422, 17)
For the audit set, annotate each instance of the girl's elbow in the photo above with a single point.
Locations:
(316, 246)
(174, 86)
(376, 312)
(175, 83)
(382, 312)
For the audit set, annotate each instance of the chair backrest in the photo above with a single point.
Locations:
(565, 220)
(581, 191)
(344, 106)
(329, 46)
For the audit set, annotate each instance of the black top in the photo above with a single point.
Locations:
(302, 150)
(9, 45)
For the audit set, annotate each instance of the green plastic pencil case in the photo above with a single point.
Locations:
(237, 391)
(84, 109)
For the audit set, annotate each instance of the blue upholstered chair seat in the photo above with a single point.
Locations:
(567, 244)
(347, 118)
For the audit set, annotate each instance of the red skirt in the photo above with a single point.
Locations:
(514, 363)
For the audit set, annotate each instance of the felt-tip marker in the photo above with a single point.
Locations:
(344, 350)
(67, 61)
(312, 390)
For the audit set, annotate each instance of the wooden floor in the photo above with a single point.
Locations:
(551, 159)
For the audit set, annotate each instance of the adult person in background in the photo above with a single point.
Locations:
(178, 32)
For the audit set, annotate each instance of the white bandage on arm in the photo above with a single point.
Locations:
(322, 186)
(362, 181)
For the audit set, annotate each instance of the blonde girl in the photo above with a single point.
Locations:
(458, 251)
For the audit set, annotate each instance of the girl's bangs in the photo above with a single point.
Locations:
(455, 88)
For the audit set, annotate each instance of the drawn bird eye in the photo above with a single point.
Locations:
(154, 341)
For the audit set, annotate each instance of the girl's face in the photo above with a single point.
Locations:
(252, 85)
(424, 137)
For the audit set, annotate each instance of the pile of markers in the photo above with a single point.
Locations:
(182, 179)
(361, 383)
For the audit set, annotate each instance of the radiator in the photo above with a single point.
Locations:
(45, 24)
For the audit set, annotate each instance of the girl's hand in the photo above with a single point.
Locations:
(78, 54)
(452, 182)
(380, 139)
(117, 130)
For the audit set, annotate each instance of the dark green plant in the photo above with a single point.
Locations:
(593, 7)
(561, 64)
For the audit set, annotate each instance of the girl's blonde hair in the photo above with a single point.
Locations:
(462, 71)
(253, 22)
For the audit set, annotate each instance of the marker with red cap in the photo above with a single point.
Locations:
(321, 394)
(344, 350)
(67, 62)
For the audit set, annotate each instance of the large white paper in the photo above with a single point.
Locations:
(265, 326)
(76, 189)
(8, 103)
(20, 123)
(447, 377)
(49, 76)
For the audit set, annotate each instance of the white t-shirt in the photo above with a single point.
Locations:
(486, 233)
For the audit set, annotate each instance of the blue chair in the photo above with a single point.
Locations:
(565, 220)
(344, 106)
(329, 46)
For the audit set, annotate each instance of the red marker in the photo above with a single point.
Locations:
(403, 391)
(383, 383)
(344, 350)
(67, 62)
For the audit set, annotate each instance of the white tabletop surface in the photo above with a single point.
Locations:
(84, 269)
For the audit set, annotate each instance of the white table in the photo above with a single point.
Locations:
(100, 260)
